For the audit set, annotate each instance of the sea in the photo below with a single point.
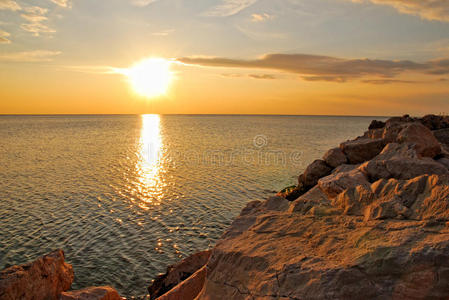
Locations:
(127, 195)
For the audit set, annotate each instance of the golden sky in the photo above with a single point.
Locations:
(336, 57)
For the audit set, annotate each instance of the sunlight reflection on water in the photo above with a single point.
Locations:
(150, 164)
(125, 196)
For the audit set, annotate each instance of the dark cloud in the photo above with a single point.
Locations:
(326, 68)
(262, 76)
(388, 81)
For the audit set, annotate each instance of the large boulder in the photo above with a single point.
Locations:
(313, 172)
(400, 161)
(434, 122)
(45, 279)
(335, 157)
(442, 135)
(362, 149)
(177, 273)
(342, 178)
(375, 124)
(92, 293)
(425, 143)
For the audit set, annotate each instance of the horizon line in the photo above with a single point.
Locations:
(190, 114)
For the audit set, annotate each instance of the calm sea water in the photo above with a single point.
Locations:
(125, 196)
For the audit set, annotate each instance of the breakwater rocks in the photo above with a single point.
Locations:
(370, 220)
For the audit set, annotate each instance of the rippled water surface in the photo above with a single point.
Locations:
(125, 196)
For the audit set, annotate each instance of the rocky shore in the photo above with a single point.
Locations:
(368, 220)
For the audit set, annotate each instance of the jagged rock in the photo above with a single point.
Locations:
(444, 161)
(313, 172)
(400, 161)
(188, 289)
(178, 273)
(92, 293)
(45, 278)
(376, 124)
(434, 122)
(425, 143)
(442, 135)
(335, 157)
(399, 120)
(374, 230)
(314, 197)
(340, 180)
(362, 149)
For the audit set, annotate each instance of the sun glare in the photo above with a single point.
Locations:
(150, 77)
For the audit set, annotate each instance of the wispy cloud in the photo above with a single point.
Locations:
(262, 76)
(426, 9)
(4, 37)
(257, 18)
(388, 81)
(163, 32)
(9, 5)
(142, 2)
(35, 16)
(29, 56)
(63, 3)
(229, 7)
(326, 68)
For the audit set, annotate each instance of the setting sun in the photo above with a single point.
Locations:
(150, 77)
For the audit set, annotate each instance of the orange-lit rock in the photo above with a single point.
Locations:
(45, 278)
(374, 230)
(92, 293)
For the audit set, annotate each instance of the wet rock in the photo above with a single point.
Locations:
(291, 193)
(45, 278)
(335, 157)
(178, 273)
(92, 293)
(313, 172)
(362, 149)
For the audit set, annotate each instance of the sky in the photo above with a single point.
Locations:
(319, 57)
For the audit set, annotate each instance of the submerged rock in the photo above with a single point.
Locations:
(45, 278)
